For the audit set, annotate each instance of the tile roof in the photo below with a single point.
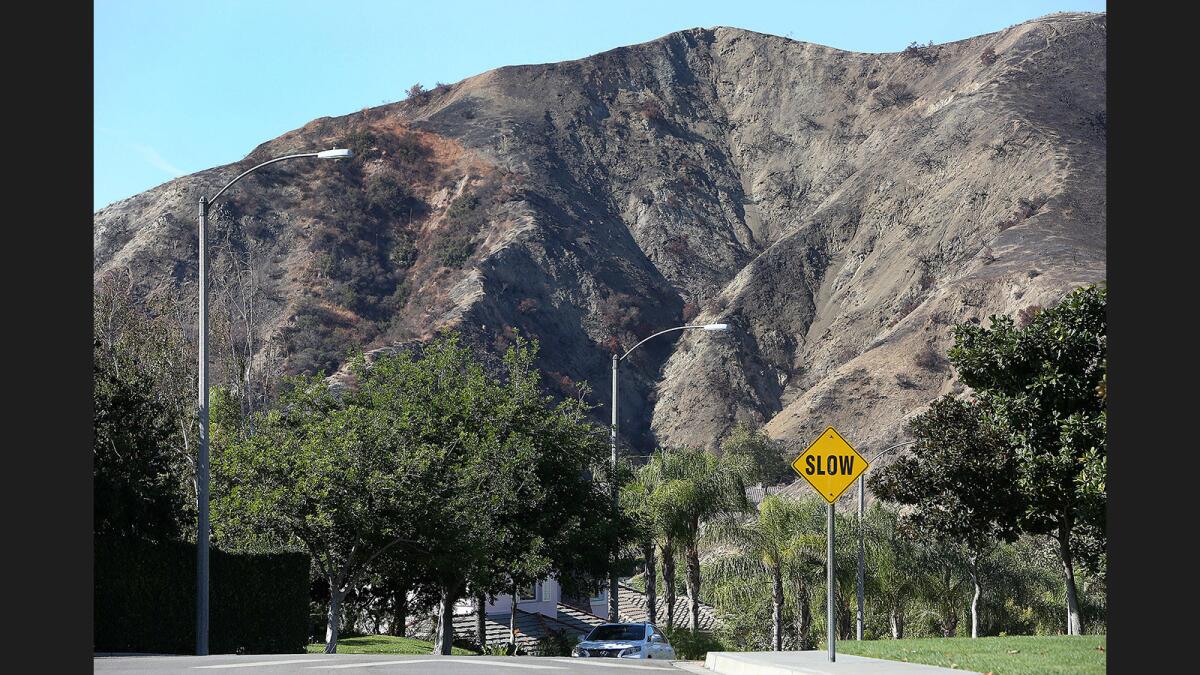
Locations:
(632, 604)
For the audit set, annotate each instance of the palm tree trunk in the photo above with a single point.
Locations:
(668, 561)
(803, 617)
(777, 609)
(651, 582)
(693, 585)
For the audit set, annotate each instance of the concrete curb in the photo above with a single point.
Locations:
(813, 662)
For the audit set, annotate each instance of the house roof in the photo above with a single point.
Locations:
(632, 605)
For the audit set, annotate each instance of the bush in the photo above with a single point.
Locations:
(650, 110)
(925, 53)
(359, 141)
(988, 57)
(387, 196)
(929, 359)
(464, 218)
(145, 599)
(692, 647)
(894, 94)
(554, 643)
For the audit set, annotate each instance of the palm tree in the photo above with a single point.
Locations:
(692, 487)
(778, 540)
(891, 563)
(635, 502)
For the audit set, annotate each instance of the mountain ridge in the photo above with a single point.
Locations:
(840, 209)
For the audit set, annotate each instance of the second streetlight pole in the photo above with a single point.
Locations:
(613, 608)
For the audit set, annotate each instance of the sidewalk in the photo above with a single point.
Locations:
(812, 662)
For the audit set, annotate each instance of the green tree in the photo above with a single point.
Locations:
(693, 487)
(763, 456)
(779, 541)
(958, 479)
(891, 565)
(136, 487)
(940, 582)
(1043, 387)
(324, 470)
(151, 334)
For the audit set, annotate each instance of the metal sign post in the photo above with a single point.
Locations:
(830, 465)
(831, 638)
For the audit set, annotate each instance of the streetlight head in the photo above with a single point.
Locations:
(340, 153)
(717, 326)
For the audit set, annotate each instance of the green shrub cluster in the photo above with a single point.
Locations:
(464, 218)
(145, 599)
(692, 646)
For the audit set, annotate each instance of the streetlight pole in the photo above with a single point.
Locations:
(613, 609)
(861, 562)
(202, 520)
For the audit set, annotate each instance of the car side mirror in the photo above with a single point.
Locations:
(656, 638)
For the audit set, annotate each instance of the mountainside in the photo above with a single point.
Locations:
(841, 210)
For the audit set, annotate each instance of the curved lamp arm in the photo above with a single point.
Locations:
(884, 452)
(710, 326)
(324, 154)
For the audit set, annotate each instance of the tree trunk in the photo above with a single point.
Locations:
(614, 608)
(651, 582)
(334, 617)
(399, 612)
(777, 609)
(972, 567)
(803, 617)
(1074, 623)
(896, 618)
(481, 620)
(444, 638)
(693, 586)
(512, 620)
(668, 561)
(949, 624)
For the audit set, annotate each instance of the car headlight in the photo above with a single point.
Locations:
(630, 651)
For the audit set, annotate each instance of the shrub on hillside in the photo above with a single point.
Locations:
(988, 57)
(927, 54)
(650, 110)
(893, 95)
(929, 359)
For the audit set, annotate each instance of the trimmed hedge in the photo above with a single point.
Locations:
(145, 599)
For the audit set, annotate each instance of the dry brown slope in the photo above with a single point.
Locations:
(840, 209)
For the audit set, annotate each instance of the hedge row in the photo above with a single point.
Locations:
(145, 599)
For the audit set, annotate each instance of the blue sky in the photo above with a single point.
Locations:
(184, 86)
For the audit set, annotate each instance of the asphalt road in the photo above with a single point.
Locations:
(318, 664)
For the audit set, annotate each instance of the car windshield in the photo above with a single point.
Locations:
(624, 631)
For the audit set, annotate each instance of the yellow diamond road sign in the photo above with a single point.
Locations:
(830, 465)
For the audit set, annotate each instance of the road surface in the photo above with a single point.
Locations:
(339, 664)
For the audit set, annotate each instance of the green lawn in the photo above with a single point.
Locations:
(1019, 655)
(382, 644)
